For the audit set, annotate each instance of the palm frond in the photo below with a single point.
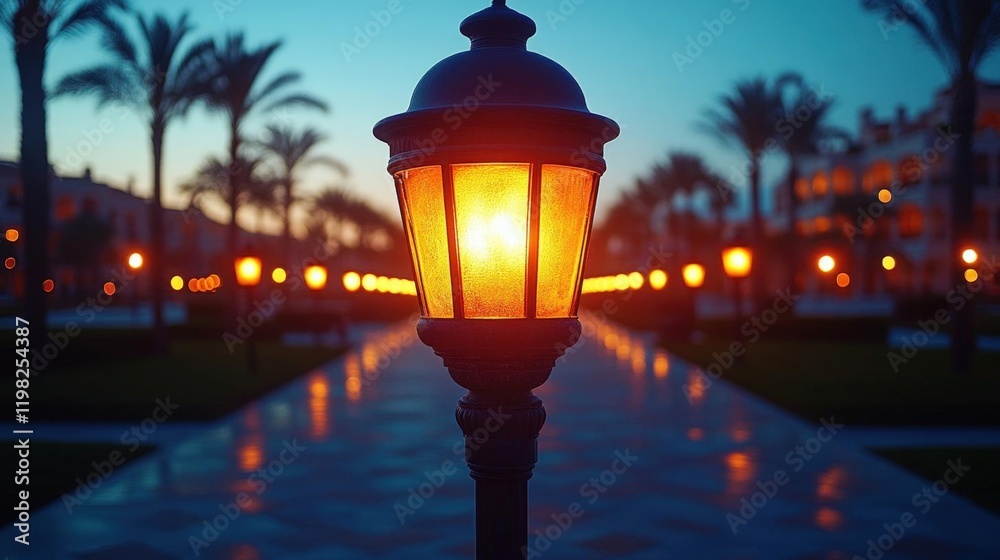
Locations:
(111, 83)
(88, 13)
(297, 100)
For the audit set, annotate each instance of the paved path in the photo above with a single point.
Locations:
(377, 424)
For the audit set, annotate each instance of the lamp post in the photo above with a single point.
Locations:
(248, 271)
(315, 277)
(737, 261)
(135, 262)
(497, 202)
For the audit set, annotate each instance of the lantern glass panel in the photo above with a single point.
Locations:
(491, 222)
(566, 207)
(421, 195)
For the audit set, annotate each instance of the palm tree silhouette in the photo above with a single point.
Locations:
(237, 91)
(686, 173)
(809, 136)
(962, 35)
(152, 75)
(33, 25)
(214, 180)
(747, 118)
(292, 151)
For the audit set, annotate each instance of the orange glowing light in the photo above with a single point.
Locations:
(826, 263)
(661, 364)
(201, 285)
(843, 280)
(885, 196)
(352, 281)
(971, 275)
(635, 280)
(248, 271)
(970, 256)
(382, 284)
(10, 263)
(135, 261)
(48, 286)
(694, 275)
(737, 261)
(193, 285)
(109, 288)
(278, 275)
(369, 282)
(12, 235)
(215, 280)
(315, 277)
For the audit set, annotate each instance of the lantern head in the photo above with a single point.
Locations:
(496, 164)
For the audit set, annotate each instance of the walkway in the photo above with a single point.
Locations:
(350, 448)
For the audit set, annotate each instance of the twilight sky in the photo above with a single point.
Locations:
(621, 52)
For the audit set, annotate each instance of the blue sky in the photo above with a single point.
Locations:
(621, 52)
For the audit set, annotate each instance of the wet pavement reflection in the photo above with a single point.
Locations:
(362, 459)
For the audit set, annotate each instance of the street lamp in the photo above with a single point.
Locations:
(135, 262)
(694, 275)
(248, 272)
(315, 277)
(497, 201)
(737, 261)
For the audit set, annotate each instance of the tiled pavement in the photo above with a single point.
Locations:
(373, 425)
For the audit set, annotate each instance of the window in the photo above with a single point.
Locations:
(820, 184)
(911, 221)
(802, 188)
(879, 176)
(911, 170)
(843, 181)
(65, 208)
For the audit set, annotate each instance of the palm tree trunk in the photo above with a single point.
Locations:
(157, 250)
(759, 266)
(234, 197)
(286, 236)
(963, 112)
(792, 249)
(30, 58)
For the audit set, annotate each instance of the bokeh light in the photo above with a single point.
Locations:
(885, 196)
(970, 256)
(135, 261)
(888, 262)
(694, 275)
(826, 263)
(971, 275)
(12, 235)
(279, 275)
(352, 281)
(177, 283)
(657, 279)
(843, 280)
(48, 286)
(369, 282)
(10, 263)
(109, 288)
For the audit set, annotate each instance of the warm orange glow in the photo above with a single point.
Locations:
(657, 280)
(885, 196)
(177, 283)
(490, 206)
(109, 288)
(201, 285)
(248, 271)
(48, 286)
(10, 263)
(737, 261)
(315, 277)
(888, 262)
(694, 275)
(826, 263)
(352, 281)
(382, 284)
(12, 235)
(215, 281)
(635, 280)
(193, 284)
(369, 282)
(971, 275)
(970, 256)
(491, 221)
(278, 275)
(843, 280)
(564, 219)
(251, 453)
(661, 364)
(135, 261)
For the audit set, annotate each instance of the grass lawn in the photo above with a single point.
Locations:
(199, 375)
(855, 382)
(56, 466)
(980, 485)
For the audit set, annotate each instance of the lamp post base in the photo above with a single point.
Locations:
(500, 361)
(501, 449)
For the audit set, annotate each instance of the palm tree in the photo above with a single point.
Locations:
(747, 118)
(261, 194)
(236, 91)
(157, 79)
(335, 205)
(214, 179)
(34, 25)
(291, 149)
(809, 136)
(683, 173)
(962, 35)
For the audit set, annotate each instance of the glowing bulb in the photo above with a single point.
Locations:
(135, 261)
(12, 235)
(694, 275)
(352, 281)
(888, 262)
(885, 196)
(971, 275)
(369, 282)
(970, 256)
(843, 280)
(279, 275)
(635, 280)
(657, 280)
(177, 283)
(109, 288)
(826, 263)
